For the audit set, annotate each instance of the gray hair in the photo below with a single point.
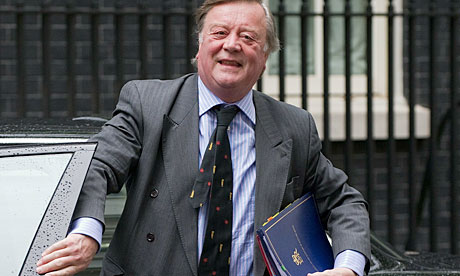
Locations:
(272, 43)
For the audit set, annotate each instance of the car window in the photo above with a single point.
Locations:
(40, 187)
(27, 184)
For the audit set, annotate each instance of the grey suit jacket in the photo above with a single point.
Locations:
(151, 144)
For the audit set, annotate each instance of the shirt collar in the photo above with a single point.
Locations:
(207, 100)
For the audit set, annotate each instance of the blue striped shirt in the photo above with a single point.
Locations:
(241, 134)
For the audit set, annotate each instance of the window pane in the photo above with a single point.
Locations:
(292, 36)
(27, 186)
(336, 38)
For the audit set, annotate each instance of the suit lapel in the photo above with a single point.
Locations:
(180, 154)
(272, 166)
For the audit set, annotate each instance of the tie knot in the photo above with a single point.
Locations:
(225, 115)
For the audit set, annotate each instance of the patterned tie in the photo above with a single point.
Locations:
(215, 181)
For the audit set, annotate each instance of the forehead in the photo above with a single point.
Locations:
(237, 14)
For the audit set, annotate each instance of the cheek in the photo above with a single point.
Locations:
(261, 61)
(206, 53)
(259, 56)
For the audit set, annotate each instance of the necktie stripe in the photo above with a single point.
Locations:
(217, 159)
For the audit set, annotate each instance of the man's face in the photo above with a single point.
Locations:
(231, 54)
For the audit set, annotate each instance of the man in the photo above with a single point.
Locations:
(157, 138)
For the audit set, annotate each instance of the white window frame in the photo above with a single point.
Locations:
(358, 85)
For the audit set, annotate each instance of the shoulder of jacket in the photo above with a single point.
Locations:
(158, 84)
(274, 104)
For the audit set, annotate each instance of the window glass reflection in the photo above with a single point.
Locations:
(27, 186)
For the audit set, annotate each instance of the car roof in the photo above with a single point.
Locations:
(51, 130)
(52, 127)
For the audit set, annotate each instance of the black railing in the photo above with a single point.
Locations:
(164, 43)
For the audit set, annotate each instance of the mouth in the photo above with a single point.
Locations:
(227, 62)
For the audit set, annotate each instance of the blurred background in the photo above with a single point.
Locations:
(380, 77)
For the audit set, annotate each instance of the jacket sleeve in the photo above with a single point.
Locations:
(342, 208)
(118, 150)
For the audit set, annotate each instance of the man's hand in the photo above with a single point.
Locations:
(68, 256)
(334, 272)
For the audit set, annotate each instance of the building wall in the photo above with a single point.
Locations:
(108, 90)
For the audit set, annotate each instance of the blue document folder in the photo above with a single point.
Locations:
(293, 242)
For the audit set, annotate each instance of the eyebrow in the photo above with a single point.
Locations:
(244, 29)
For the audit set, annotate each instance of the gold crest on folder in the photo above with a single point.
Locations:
(296, 258)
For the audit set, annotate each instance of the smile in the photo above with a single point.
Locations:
(229, 62)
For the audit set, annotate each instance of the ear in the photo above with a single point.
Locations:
(266, 57)
(197, 56)
(265, 62)
(263, 70)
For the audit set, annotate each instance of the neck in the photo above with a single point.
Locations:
(229, 96)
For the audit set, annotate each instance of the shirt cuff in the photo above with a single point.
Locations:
(351, 259)
(88, 226)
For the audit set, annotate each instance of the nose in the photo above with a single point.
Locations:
(232, 43)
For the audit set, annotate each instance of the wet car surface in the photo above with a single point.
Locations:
(31, 133)
(386, 260)
(35, 130)
(40, 187)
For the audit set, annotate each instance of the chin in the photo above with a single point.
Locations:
(229, 82)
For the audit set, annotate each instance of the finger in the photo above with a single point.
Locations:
(54, 255)
(55, 265)
(324, 273)
(56, 246)
(71, 270)
(67, 246)
(333, 272)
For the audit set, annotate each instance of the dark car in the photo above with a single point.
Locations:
(386, 260)
(49, 158)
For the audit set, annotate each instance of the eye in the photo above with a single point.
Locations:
(219, 33)
(248, 37)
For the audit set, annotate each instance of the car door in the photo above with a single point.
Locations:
(40, 185)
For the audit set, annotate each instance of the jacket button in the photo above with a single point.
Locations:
(150, 237)
(154, 193)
